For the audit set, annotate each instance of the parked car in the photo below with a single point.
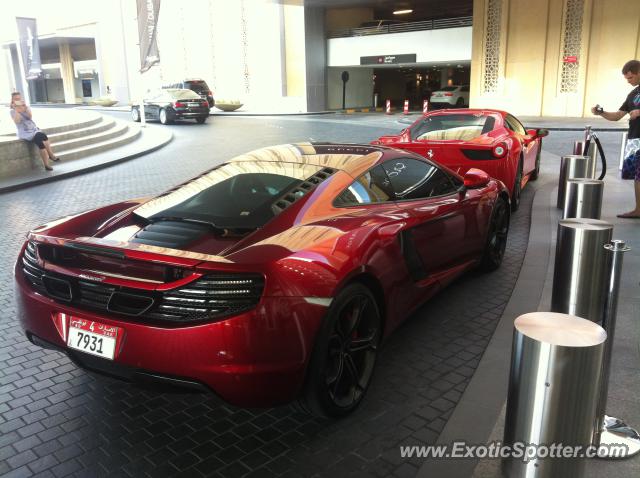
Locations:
(195, 84)
(271, 277)
(168, 105)
(450, 96)
(491, 140)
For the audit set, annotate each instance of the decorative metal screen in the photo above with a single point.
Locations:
(571, 45)
(492, 46)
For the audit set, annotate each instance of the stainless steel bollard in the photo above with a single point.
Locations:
(553, 390)
(581, 268)
(571, 166)
(583, 199)
(611, 430)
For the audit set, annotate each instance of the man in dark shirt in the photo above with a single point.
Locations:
(631, 106)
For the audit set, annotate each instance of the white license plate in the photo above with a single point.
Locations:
(92, 337)
(193, 104)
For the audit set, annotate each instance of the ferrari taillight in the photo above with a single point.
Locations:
(500, 150)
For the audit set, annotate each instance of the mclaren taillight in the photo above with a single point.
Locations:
(500, 150)
(214, 296)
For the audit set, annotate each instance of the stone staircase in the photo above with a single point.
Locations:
(73, 136)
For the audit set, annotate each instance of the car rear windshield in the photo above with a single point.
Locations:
(236, 195)
(198, 86)
(452, 127)
(183, 95)
(449, 88)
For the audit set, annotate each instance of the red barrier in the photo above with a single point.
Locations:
(406, 107)
(425, 106)
(388, 107)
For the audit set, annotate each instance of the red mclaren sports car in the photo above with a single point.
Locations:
(269, 278)
(491, 140)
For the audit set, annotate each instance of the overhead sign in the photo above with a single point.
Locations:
(388, 59)
(570, 59)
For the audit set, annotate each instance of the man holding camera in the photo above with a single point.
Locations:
(28, 131)
(631, 106)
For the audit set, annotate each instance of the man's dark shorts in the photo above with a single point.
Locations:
(40, 138)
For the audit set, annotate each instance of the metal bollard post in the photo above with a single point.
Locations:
(578, 148)
(583, 199)
(610, 430)
(551, 401)
(571, 166)
(580, 270)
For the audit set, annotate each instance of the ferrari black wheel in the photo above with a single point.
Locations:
(344, 356)
(517, 188)
(496, 237)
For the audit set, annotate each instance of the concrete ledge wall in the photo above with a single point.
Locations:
(17, 156)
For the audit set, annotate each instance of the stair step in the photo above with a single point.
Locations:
(70, 127)
(118, 129)
(103, 125)
(131, 135)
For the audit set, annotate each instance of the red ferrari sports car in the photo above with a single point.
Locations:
(271, 277)
(491, 140)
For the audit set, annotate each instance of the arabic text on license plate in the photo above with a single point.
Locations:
(92, 337)
(193, 104)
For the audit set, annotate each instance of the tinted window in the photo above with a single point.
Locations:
(413, 179)
(197, 86)
(372, 187)
(464, 89)
(234, 195)
(455, 127)
(448, 88)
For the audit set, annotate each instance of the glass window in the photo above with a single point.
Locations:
(465, 89)
(198, 86)
(183, 94)
(448, 88)
(414, 179)
(514, 125)
(372, 187)
(461, 127)
(233, 195)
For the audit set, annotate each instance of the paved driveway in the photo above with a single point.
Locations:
(57, 420)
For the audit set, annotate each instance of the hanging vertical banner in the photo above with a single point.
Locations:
(148, 11)
(29, 47)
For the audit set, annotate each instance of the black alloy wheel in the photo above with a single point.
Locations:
(344, 356)
(536, 171)
(201, 119)
(460, 102)
(517, 188)
(496, 237)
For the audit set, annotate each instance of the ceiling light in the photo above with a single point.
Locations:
(402, 12)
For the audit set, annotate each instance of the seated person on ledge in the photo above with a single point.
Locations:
(28, 131)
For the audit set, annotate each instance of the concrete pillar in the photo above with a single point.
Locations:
(67, 73)
(444, 76)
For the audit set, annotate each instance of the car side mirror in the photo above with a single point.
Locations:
(476, 178)
(542, 132)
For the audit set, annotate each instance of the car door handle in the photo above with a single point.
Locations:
(391, 230)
